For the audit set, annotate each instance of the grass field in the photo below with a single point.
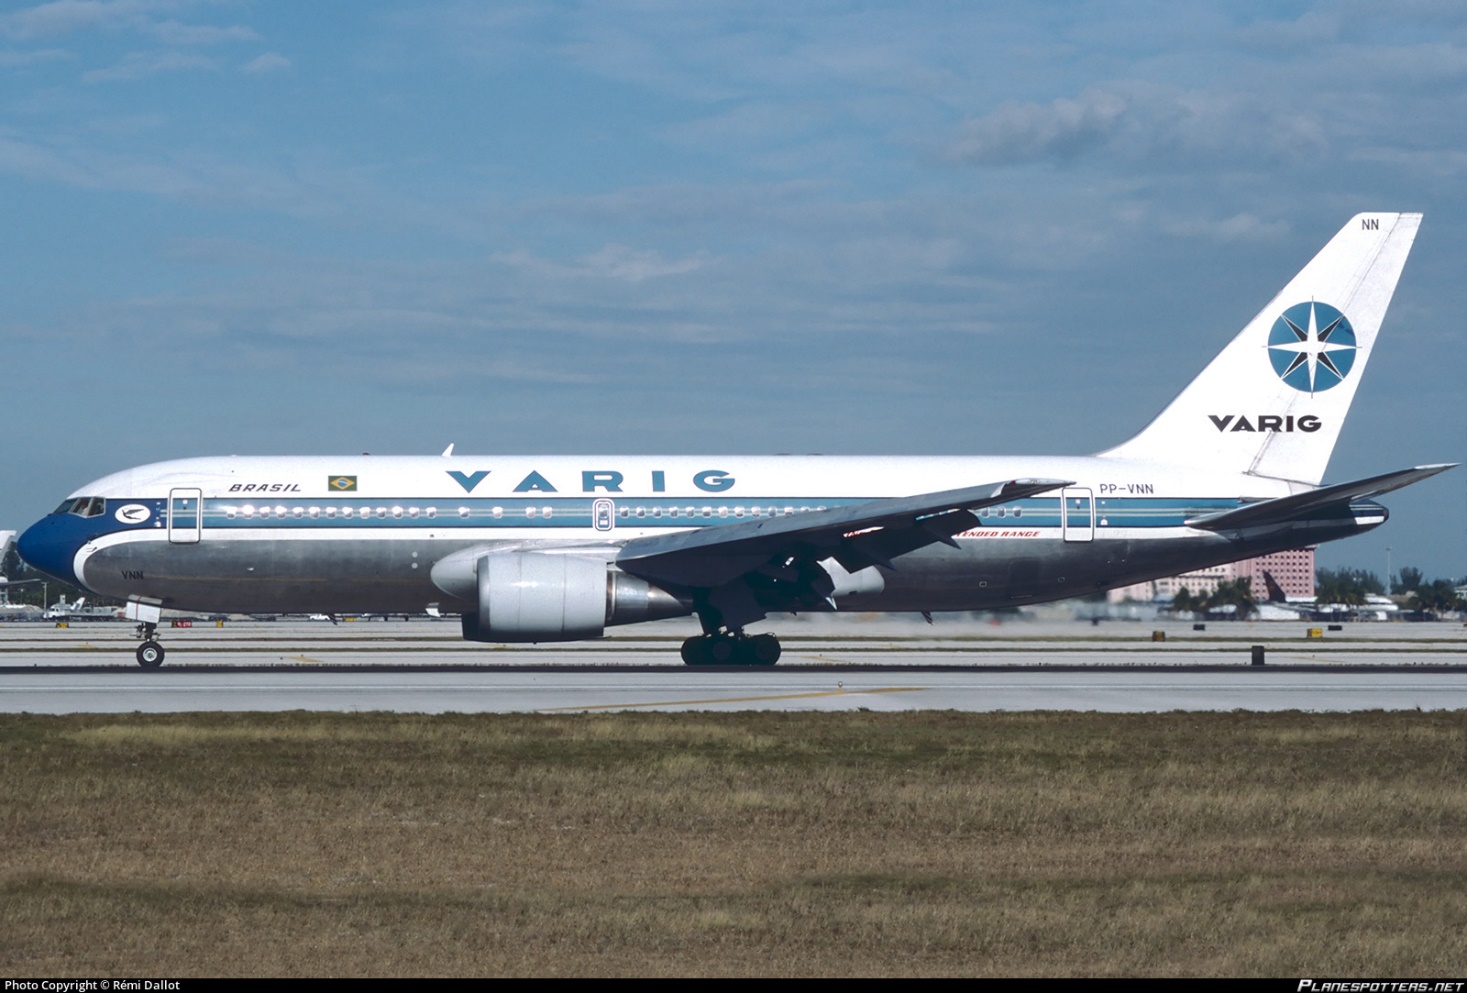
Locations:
(751, 844)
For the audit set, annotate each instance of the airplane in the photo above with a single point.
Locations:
(1281, 606)
(79, 611)
(8, 609)
(541, 549)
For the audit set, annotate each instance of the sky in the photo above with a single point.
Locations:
(666, 227)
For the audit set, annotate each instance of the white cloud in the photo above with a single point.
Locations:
(267, 63)
(1442, 163)
(1310, 28)
(178, 177)
(137, 65)
(634, 265)
(1058, 131)
(619, 262)
(1238, 228)
(15, 60)
(65, 16)
(176, 33)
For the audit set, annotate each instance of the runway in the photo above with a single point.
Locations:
(422, 667)
(497, 691)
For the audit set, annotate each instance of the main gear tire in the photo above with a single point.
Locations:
(763, 649)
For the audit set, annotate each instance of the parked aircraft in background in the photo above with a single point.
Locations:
(532, 549)
(1280, 606)
(79, 611)
(9, 610)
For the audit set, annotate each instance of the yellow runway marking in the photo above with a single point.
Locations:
(739, 699)
(304, 658)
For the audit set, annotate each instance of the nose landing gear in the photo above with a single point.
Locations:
(150, 654)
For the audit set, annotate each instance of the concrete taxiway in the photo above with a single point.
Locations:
(829, 664)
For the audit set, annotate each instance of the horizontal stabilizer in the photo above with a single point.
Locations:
(711, 556)
(1298, 505)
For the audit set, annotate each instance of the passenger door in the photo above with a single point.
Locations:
(1078, 505)
(185, 516)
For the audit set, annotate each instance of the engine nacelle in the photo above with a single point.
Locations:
(534, 596)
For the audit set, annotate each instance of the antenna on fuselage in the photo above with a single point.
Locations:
(449, 450)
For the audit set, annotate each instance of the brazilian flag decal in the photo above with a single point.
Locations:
(342, 484)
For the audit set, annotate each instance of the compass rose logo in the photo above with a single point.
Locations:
(1312, 347)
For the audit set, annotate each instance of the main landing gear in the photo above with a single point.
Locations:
(150, 653)
(731, 648)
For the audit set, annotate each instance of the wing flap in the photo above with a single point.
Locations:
(869, 533)
(1283, 509)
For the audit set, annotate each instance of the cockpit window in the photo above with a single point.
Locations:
(84, 507)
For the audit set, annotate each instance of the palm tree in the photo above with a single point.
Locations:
(1184, 602)
(1339, 590)
(1437, 597)
(1238, 594)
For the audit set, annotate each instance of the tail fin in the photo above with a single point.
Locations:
(1276, 592)
(1273, 401)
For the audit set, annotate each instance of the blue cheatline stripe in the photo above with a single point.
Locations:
(648, 512)
(576, 512)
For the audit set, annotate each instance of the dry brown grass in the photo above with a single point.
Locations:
(752, 844)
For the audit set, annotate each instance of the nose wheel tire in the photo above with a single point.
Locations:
(150, 655)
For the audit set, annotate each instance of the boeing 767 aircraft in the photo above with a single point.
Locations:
(529, 549)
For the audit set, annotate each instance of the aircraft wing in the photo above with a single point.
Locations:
(861, 535)
(1282, 509)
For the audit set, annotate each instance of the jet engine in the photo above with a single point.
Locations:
(535, 596)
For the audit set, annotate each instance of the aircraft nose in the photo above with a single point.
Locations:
(45, 546)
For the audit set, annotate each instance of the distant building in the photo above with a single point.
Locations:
(1292, 570)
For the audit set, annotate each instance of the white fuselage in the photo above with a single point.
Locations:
(360, 533)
